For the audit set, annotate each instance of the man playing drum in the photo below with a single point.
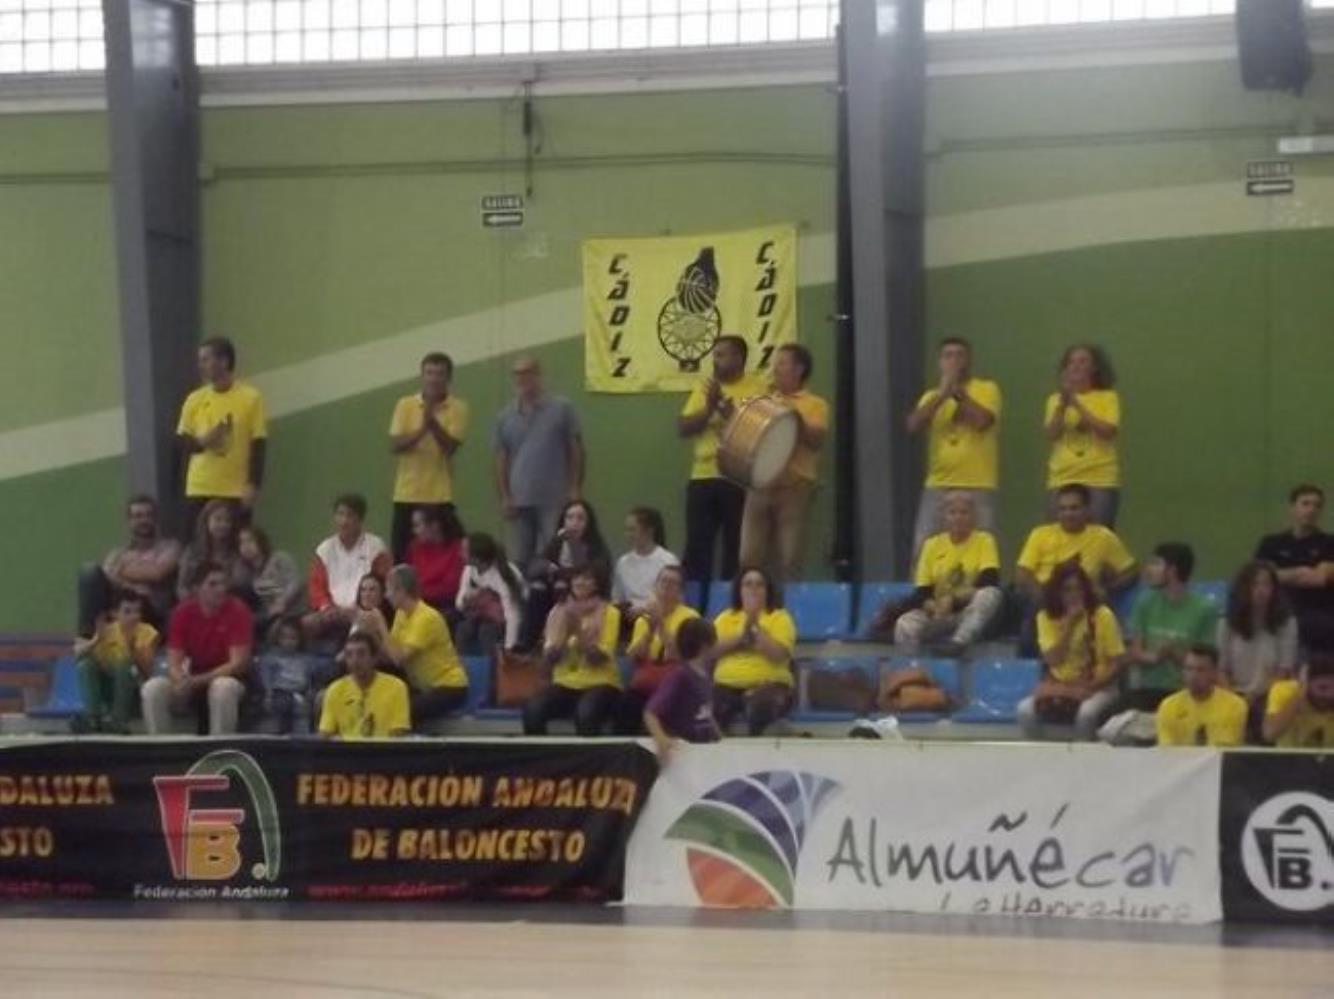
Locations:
(773, 527)
(713, 503)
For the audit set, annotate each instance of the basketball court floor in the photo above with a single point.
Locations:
(519, 951)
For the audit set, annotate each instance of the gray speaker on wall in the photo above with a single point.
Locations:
(1271, 41)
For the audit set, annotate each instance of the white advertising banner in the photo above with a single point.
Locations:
(1074, 832)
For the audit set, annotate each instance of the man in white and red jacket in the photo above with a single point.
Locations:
(340, 563)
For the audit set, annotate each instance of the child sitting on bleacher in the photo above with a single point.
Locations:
(288, 676)
(111, 666)
(681, 709)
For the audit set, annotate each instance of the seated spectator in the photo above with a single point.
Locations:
(145, 565)
(1202, 714)
(634, 583)
(1300, 713)
(365, 704)
(577, 543)
(209, 643)
(1081, 657)
(490, 600)
(370, 597)
(419, 645)
(580, 650)
(753, 676)
(1167, 620)
(1304, 557)
(276, 587)
(1257, 639)
(681, 709)
(217, 541)
(652, 646)
(958, 583)
(341, 562)
(288, 675)
(111, 666)
(436, 555)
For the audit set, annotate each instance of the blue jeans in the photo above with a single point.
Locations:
(530, 531)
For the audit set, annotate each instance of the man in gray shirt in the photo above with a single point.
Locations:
(539, 461)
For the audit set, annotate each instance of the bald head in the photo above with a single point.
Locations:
(527, 375)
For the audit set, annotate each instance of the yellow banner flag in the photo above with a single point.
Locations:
(654, 307)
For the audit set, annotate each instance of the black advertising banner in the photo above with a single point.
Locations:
(265, 819)
(1277, 837)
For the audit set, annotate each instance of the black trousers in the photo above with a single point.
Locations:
(400, 531)
(713, 512)
(590, 709)
(435, 703)
(762, 706)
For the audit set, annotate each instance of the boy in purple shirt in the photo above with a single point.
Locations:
(681, 708)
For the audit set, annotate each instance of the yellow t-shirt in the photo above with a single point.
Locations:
(1095, 546)
(432, 661)
(377, 712)
(747, 668)
(1106, 645)
(577, 673)
(1218, 720)
(224, 470)
(425, 473)
(705, 464)
(815, 412)
(1079, 456)
(948, 567)
(1309, 729)
(959, 456)
(110, 651)
(671, 624)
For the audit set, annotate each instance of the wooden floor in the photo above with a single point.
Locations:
(727, 957)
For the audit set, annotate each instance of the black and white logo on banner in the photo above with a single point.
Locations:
(1287, 850)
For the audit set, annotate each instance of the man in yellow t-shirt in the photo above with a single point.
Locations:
(426, 429)
(773, 525)
(223, 431)
(714, 505)
(1300, 715)
(961, 416)
(111, 666)
(1203, 713)
(365, 704)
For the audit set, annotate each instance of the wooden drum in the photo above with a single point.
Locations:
(757, 442)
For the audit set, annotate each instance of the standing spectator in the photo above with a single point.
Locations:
(287, 675)
(1257, 639)
(208, 658)
(961, 416)
(756, 636)
(436, 555)
(539, 460)
(145, 565)
(1203, 713)
(714, 504)
(224, 433)
(1082, 654)
(426, 429)
(637, 570)
(419, 645)
(1300, 713)
(276, 586)
(111, 666)
(580, 651)
(958, 582)
(773, 523)
(216, 540)
(340, 563)
(577, 544)
(681, 709)
(365, 704)
(490, 600)
(1304, 556)
(1166, 622)
(1083, 419)
(652, 646)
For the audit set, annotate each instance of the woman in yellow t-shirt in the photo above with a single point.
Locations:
(1082, 421)
(652, 646)
(754, 655)
(580, 650)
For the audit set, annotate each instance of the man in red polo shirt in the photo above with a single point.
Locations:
(208, 655)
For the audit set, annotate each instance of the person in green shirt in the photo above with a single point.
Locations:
(1166, 621)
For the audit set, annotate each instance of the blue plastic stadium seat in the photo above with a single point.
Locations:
(867, 666)
(1124, 602)
(1215, 591)
(998, 687)
(823, 611)
(720, 598)
(66, 698)
(478, 669)
(694, 593)
(873, 597)
(946, 674)
(627, 668)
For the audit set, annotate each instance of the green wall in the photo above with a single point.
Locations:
(1102, 205)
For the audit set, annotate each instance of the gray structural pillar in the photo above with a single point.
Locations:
(885, 65)
(153, 122)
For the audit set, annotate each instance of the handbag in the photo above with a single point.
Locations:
(839, 690)
(912, 689)
(519, 676)
(1057, 702)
